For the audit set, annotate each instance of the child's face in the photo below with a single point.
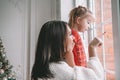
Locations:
(83, 25)
(85, 22)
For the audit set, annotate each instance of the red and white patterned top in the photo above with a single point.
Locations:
(78, 50)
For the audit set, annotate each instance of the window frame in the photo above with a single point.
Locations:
(116, 35)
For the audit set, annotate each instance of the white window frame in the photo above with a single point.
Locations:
(116, 24)
(116, 35)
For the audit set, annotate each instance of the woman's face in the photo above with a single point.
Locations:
(69, 43)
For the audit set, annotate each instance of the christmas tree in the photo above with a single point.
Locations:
(6, 72)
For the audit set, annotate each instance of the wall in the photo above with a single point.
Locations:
(12, 32)
(66, 6)
(20, 23)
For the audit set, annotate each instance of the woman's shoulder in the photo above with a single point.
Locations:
(60, 66)
(62, 71)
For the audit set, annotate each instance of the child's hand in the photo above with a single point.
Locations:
(96, 42)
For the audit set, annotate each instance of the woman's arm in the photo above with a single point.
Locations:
(69, 58)
(93, 71)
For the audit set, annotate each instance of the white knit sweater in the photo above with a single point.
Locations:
(62, 71)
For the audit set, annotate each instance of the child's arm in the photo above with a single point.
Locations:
(96, 42)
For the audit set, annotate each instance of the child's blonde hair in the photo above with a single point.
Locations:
(79, 11)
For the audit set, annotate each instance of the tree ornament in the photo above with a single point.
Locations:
(5, 78)
(3, 55)
(2, 71)
(0, 65)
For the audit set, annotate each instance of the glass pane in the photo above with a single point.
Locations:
(107, 9)
(109, 52)
(99, 49)
(106, 52)
(97, 11)
(106, 55)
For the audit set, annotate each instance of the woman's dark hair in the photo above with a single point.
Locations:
(50, 48)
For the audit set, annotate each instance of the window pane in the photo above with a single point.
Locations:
(97, 11)
(107, 9)
(104, 24)
(109, 52)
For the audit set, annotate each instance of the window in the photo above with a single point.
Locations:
(104, 24)
(103, 14)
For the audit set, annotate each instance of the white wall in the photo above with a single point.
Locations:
(66, 6)
(12, 32)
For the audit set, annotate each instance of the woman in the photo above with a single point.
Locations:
(54, 51)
